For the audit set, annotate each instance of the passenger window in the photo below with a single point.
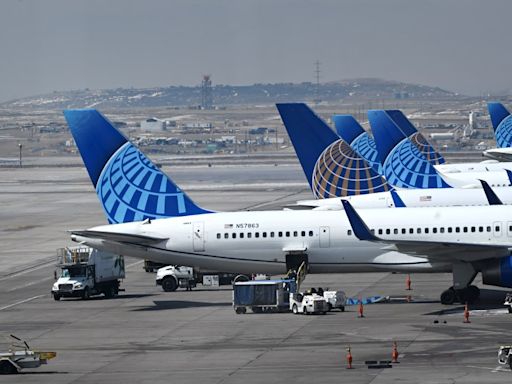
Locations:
(380, 231)
(418, 230)
(473, 229)
(349, 232)
(256, 234)
(249, 235)
(480, 229)
(271, 234)
(310, 233)
(226, 235)
(242, 235)
(489, 228)
(218, 235)
(264, 234)
(395, 231)
(449, 229)
(295, 234)
(233, 235)
(303, 233)
(426, 230)
(509, 228)
(403, 231)
(441, 229)
(465, 229)
(411, 231)
(434, 230)
(287, 234)
(372, 231)
(388, 231)
(497, 228)
(280, 234)
(457, 229)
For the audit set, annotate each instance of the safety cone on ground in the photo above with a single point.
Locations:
(408, 283)
(361, 309)
(466, 314)
(349, 358)
(394, 354)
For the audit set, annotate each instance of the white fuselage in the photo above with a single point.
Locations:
(431, 197)
(500, 154)
(484, 166)
(258, 242)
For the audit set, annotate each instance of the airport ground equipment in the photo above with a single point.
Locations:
(263, 295)
(173, 277)
(505, 355)
(20, 356)
(85, 271)
(308, 303)
(508, 302)
(335, 299)
(151, 266)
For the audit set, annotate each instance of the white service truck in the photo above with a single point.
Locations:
(174, 276)
(85, 271)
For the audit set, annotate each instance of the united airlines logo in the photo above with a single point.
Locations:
(504, 133)
(426, 149)
(365, 146)
(131, 188)
(340, 171)
(406, 167)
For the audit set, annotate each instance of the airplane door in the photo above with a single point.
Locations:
(325, 237)
(198, 236)
(496, 228)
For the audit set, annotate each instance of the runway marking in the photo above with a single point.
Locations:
(499, 368)
(27, 270)
(21, 302)
(29, 284)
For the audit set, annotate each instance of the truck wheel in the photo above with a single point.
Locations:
(510, 309)
(329, 307)
(305, 310)
(86, 295)
(238, 310)
(342, 308)
(295, 310)
(169, 284)
(56, 297)
(109, 292)
(6, 368)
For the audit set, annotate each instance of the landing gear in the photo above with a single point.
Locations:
(467, 295)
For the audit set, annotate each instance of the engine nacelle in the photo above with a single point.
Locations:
(498, 272)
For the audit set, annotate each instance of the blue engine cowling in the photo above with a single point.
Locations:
(498, 272)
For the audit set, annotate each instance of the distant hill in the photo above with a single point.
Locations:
(223, 95)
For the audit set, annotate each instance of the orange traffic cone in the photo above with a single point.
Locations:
(408, 283)
(349, 358)
(466, 314)
(394, 354)
(361, 309)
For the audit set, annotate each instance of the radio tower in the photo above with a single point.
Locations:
(317, 88)
(206, 92)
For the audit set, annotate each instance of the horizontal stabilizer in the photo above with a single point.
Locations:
(119, 237)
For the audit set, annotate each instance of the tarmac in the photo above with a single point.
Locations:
(149, 336)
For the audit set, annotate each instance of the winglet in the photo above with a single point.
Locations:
(397, 200)
(492, 198)
(509, 174)
(359, 227)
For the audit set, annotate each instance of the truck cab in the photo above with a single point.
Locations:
(173, 276)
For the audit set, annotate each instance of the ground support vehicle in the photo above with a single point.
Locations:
(308, 303)
(171, 277)
(21, 356)
(335, 300)
(263, 295)
(151, 266)
(505, 355)
(85, 271)
(508, 302)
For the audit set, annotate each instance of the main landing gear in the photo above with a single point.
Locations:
(466, 295)
(462, 292)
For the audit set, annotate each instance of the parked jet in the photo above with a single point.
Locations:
(156, 220)
(502, 125)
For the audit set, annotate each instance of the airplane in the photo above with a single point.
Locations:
(502, 124)
(152, 218)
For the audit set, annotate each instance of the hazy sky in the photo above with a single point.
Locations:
(460, 45)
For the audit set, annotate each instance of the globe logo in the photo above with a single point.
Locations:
(504, 133)
(131, 188)
(340, 171)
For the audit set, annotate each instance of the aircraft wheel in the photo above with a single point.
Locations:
(448, 297)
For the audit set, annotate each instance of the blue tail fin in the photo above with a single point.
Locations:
(501, 123)
(416, 137)
(403, 164)
(332, 168)
(351, 131)
(130, 187)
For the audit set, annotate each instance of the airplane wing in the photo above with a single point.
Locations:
(119, 237)
(433, 250)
